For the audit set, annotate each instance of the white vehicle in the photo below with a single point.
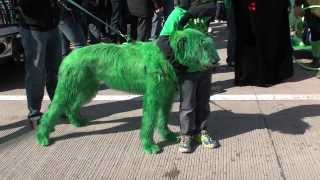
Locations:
(10, 44)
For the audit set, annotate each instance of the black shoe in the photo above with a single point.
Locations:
(34, 120)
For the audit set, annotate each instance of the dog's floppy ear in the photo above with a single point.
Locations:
(182, 43)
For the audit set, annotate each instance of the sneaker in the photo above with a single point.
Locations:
(206, 140)
(185, 144)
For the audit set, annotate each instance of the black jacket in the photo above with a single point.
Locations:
(143, 8)
(41, 15)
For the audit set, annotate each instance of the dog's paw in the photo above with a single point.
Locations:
(79, 123)
(151, 149)
(171, 136)
(42, 139)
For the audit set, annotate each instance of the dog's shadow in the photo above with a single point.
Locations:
(222, 123)
(95, 112)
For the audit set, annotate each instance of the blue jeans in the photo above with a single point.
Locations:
(159, 18)
(42, 60)
(71, 31)
(157, 21)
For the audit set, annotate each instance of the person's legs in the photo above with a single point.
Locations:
(144, 28)
(73, 31)
(133, 27)
(157, 21)
(116, 20)
(187, 115)
(65, 44)
(202, 101)
(203, 111)
(53, 61)
(34, 44)
(315, 41)
(218, 12)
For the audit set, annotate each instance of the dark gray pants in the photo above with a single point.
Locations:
(141, 28)
(71, 31)
(157, 21)
(194, 102)
(42, 60)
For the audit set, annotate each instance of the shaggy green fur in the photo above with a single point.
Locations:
(135, 67)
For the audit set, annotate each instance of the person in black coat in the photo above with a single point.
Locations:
(263, 46)
(141, 12)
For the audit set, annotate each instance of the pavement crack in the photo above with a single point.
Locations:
(272, 142)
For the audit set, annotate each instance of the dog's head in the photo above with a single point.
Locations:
(194, 49)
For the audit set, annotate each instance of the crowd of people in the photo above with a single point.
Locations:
(259, 45)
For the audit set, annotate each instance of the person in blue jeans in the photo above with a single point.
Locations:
(42, 46)
(70, 28)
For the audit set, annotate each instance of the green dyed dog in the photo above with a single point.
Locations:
(134, 67)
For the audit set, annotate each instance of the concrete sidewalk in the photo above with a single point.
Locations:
(259, 139)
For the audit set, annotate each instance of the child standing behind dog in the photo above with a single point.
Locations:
(194, 86)
(313, 22)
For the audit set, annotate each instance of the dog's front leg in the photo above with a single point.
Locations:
(149, 120)
(165, 105)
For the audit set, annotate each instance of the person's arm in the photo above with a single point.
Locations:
(203, 10)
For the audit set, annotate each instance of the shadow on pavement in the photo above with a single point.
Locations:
(223, 123)
(24, 128)
(301, 74)
(288, 121)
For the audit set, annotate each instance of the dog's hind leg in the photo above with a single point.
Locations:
(150, 109)
(87, 91)
(164, 112)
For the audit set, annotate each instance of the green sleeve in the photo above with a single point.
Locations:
(171, 23)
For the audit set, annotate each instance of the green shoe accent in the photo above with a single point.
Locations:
(206, 140)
